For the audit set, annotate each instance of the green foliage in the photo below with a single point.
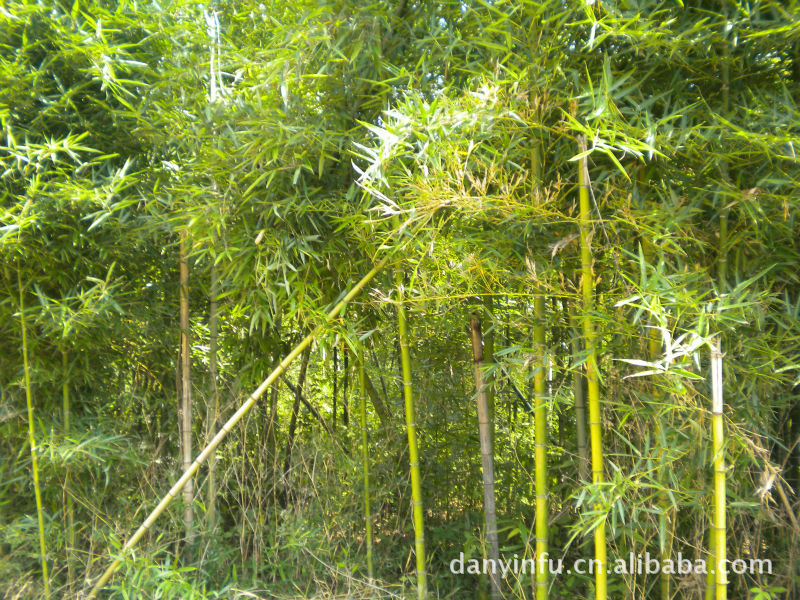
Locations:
(295, 142)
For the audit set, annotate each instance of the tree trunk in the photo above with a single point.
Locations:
(487, 460)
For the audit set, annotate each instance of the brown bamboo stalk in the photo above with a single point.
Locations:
(487, 460)
(229, 424)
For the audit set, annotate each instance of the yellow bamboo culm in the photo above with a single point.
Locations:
(720, 542)
(593, 385)
(665, 534)
(413, 454)
(540, 450)
(229, 424)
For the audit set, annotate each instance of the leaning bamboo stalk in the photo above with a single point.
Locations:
(362, 380)
(229, 424)
(37, 491)
(487, 460)
(540, 449)
(720, 542)
(413, 453)
(593, 385)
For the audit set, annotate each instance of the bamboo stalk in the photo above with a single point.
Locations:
(212, 421)
(186, 394)
(578, 381)
(488, 359)
(365, 462)
(487, 460)
(595, 424)
(540, 449)
(711, 578)
(37, 491)
(229, 424)
(335, 378)
(665, 538)
(720, 543)
(413, 454)
(70, 507)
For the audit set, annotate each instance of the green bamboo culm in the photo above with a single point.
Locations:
(229, 424)
(665, 536)
(720, 542)
(362, 381)
(413, 454)
(580, 400)
(37, 492)
(593, 385)
(70, 508)
(540, 449)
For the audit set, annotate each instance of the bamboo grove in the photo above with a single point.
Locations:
(387, 300)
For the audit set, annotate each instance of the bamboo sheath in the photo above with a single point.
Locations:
(595, 425)
(720, 543)
(487, 460)
(413, 454)
(231, 422)
(540, 449)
